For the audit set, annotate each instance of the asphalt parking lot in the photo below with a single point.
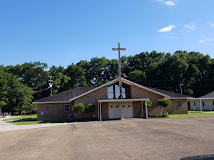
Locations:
(153, 139)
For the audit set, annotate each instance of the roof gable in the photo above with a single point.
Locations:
(66, 96)
(209, 95)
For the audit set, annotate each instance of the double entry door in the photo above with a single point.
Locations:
(120, 110)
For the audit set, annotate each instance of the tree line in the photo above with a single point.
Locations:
(22, 83)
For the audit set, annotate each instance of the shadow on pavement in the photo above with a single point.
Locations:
(201, 157)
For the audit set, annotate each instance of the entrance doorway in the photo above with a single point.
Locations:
(118, 110)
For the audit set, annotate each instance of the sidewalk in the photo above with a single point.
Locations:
(6, 126)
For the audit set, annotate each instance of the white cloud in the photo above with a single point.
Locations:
(170, 3)
(211, 23)
(205, 40)
(167, 29)
(190, 26)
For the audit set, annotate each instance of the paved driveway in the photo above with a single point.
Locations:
(153, 139)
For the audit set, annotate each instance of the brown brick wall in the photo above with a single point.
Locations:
(137, 109)
(104, 111)
(172, 109)
(93, 98)
(142, 93)
(56, 112)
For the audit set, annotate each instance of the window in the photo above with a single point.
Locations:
(66, 107)
(47, 109)
(178, 104)
(114, 91)
(213, 103)
(203, 103)
(194, 103)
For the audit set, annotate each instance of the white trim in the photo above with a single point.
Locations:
(114, 81)
(50, 102)
(147, 116)
(109, 83)
(200, 98)
(68, 108)
(179, 98)
(123, 100)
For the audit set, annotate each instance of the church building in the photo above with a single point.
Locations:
(108, 103)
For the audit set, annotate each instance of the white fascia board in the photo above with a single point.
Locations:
(143, 87)
(179, 98)
(200, 98)
(50, 102)
(106, 84)
(123, 100)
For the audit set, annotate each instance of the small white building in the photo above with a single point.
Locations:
(204, 103)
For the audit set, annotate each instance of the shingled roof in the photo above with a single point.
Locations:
(66, 95)
(209, 95)
(170, 94)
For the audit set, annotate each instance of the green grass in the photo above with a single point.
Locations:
(192, 114)
(33, 116)
(32, 119)
(23, 119)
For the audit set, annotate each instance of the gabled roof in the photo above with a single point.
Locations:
(209, 95)
(67, 96)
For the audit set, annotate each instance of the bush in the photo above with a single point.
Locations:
(165, 115)
(90, 108)
(77, 108)
(149, 103)
(164, 102)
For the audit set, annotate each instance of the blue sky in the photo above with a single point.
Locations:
(61, 32)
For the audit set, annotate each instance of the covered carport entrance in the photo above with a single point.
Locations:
(121, 108)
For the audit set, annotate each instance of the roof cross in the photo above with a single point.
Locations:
(119, 67)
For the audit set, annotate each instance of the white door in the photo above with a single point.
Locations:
(113, 110)
(116, 109)
(127, 110)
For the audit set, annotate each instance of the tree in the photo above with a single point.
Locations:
(59, 78)
(13, 94)
(164, 103)
(78, 108)
(33, 75)
(90, 108)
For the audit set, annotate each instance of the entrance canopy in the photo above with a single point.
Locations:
(124, 100)
(121, 101)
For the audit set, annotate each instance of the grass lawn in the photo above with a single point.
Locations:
(32, 119)
(23, 119)
(29, 119)
(192, 114)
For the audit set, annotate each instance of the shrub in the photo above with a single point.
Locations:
(149, 103)
(90, 108)
(165, 115)
(77, 108)
(164, 102)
